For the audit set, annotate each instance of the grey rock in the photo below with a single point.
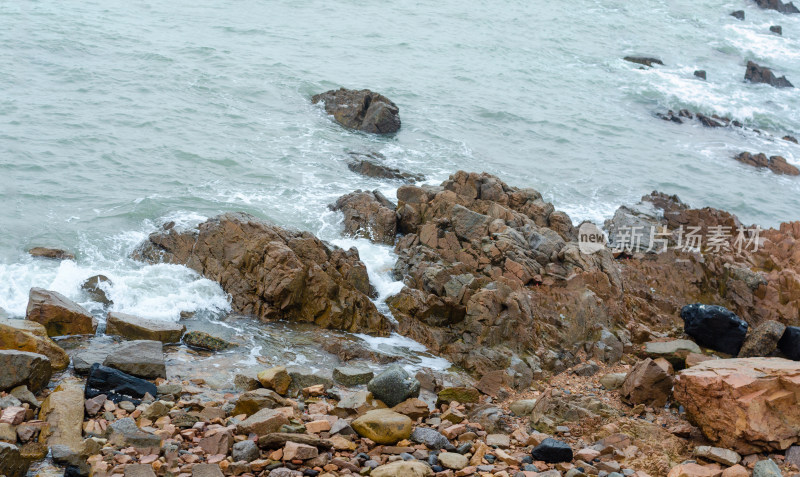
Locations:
(766, 468)
(430, 437)
(124, 432)
(139, 470)
(141, 358)
(523, 407)
(206, 470)
(352, 376)
(393, 386)
(22, 367)
(613, 381)
(718, 454)
(245, 450)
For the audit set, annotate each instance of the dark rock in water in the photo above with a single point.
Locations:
(274, 273)
(777, 29)
(790, 139)
(643, 60)
(778, 6)
(73, 471)
(761, 74)
(141, 358)
(670, 116)
(369, 165)
(369, 215)
(714, 327)
(203, 340)
(552, 451)
(738, 14)
(361, 109)
(22, 367)
(762, 340)
(116, 385)
(789, 343)
(700, 74)
(52, 253)
(93, 286)
(776, 164)
(709, 122)
(393, 386)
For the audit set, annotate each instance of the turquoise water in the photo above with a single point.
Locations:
(117, 116)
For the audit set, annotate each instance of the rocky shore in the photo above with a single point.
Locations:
(639, 357)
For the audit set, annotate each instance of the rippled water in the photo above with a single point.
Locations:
(117, 116)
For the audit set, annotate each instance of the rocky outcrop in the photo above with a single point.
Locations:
(274, 273)
(644, 60)
(778, 5)
(361, 109)
(745, 404)
(776, 164)
(473, 252)
(369, 215)
(369, 165)
(58, 314)
(21, 367)
(24, 335)
(136, 328)
(762, 74)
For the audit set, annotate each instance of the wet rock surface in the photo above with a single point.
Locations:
(762, 74)
(369, 215)
(59, 315)
(776, 164)
(363, 110)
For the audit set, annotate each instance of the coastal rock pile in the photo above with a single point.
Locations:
(274, 273)
(761, 74)
(363, 110)
(776, 164)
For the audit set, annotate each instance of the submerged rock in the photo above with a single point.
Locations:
(51, 253)
(369, 165)
(777, 29)
(745, 404)
(762, 74)
(644, 60)
(369, 215)
(776, 164)
(361, 109)
(58, 314)
(738, 14)
(714, 327)
(203, 340)
(700, 74)
(778, 5)
(274, 273)
(93, 286)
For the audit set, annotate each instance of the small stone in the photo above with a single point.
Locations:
(453, 460)
(718, 454)
(293, 450)
(246, 450)
(276, 378)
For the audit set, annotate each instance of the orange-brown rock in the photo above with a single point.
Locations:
(776, 164)
(649, 382)
(59, 315)
(369, 215)
(745, 404)
(24, 335)
(274, 273)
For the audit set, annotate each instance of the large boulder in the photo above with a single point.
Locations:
(117, 385)
(141, 358)
(24, 335)
(649, 382)
(136, 328)
(21, 367)
(62, 413)
(361, 109)
(745, 404)
(59, 315)
(383, 426)
(714, 327)
(393, 386)
(762, 74)
(274, 273)
(369, 215)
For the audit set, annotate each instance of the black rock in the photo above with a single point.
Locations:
(73, 471)
(116, 385)
(761, 74)
(776, 29)
(552, 451)
(789, 343)
(700, 74)
(643, 60)
(464, 448)
(709, 122)
(714, 327)
(738, 14)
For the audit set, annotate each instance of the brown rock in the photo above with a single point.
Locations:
(647, 383)
(135, 328)
(276, 378)
(362, 110)
(491, 382)
(220, 442)
(369, 165)
(746, 404)
(762, 340)
(369, 215)
(253, 401)
(22, 367)
(383, 426)
(24, 335)
(776, 164)
(263, 422)
(694, 470)
(52, 253)
(413, 408)
(294, 450)
(274, 273)
(59, 315)
(62, 412)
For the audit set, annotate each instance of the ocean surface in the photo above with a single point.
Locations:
(118, 116)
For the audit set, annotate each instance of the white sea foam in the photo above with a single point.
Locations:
(379, 260)
(395, 342)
